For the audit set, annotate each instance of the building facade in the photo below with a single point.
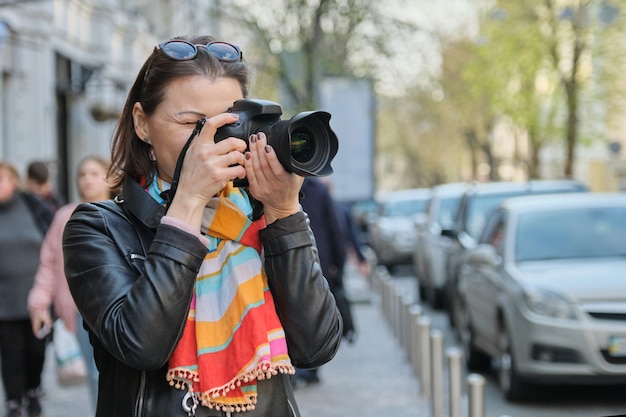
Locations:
(67, 66)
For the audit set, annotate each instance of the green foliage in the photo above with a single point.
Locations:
(548, 70)
(542, 66)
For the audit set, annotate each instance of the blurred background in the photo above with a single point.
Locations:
(421, 92)
(443, 109)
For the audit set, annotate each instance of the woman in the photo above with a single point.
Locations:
(50, 283)
(23, 221)
(196, 304)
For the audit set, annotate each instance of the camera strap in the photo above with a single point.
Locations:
(168, 195)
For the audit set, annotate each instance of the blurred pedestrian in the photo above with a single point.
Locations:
(22, 221)
(349, 230)
(197, 302)
(352, 238)
(51, 287)
(318, 203)
(39, 183)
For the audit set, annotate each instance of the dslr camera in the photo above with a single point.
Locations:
(304, 144)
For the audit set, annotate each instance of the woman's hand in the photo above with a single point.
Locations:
(270, 183)
(207, 168)
(40, 320)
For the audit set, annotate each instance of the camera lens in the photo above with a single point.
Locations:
(302, 145)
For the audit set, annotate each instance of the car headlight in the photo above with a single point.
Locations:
(548, 303)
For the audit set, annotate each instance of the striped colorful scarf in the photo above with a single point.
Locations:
(233, 337)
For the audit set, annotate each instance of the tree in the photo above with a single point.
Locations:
(519, 84)
(551, 52)
(311, 38)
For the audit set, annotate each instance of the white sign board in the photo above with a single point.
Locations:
(352, 106)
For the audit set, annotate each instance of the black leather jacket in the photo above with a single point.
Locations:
(132, 279)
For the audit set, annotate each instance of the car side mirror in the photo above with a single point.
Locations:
(485, 254)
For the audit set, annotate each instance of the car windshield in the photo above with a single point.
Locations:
(572, 233)
(481, 208)
(447, 210)
(404, 208)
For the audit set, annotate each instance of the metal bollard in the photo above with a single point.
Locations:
(406, 304)
(424, 343)
(383, 274)
(373, 276)
(455, 359)
(403, 334)
(415, 314)
(386, 300)
(476, 395)
(390, 291)
(397, 314)
(436, 354)
(383, 300)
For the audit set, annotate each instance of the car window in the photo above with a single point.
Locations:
(479, 210)
(448, 207)
(403, 208)
(573, 233)
(493, 232)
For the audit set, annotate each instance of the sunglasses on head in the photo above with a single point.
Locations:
(182, 50)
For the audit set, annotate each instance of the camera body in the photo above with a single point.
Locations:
(304, 144)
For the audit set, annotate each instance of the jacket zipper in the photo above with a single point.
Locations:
(140, 395)
(293, 411)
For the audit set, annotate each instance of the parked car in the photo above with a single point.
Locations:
(390, 230)
(431, 248)
(543, 295)
(477, 204)
(362, 213)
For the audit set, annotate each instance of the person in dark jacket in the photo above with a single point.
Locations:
(320, 206)
(196, 301)
(23, 221)
(39, 184)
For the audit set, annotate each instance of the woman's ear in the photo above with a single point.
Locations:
(140, 121)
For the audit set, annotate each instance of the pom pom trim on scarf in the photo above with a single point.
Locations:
(184, 379)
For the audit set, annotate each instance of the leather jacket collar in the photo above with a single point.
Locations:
(138, 202)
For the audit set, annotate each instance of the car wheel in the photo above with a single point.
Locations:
(422, 290)
(474, 359)
(510, 382)
(434, 298)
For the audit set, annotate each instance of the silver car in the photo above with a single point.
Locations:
(431, 247)
(477, 204)
(543, 295)
(390, 230)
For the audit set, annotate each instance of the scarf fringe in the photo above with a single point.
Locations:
(184, 379)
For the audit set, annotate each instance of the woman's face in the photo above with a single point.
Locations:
(92, 183)
(8, 184)
(187, 100)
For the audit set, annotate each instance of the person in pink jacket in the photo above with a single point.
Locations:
(50, 287)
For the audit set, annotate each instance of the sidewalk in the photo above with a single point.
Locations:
(369, 378)
(59, 401)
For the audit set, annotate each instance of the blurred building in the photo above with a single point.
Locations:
(67, 66)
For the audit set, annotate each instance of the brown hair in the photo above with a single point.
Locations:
(38, 172)
(130, 156)
(11, 169)
(113, 190)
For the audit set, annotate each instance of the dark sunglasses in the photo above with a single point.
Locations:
(182, 50)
